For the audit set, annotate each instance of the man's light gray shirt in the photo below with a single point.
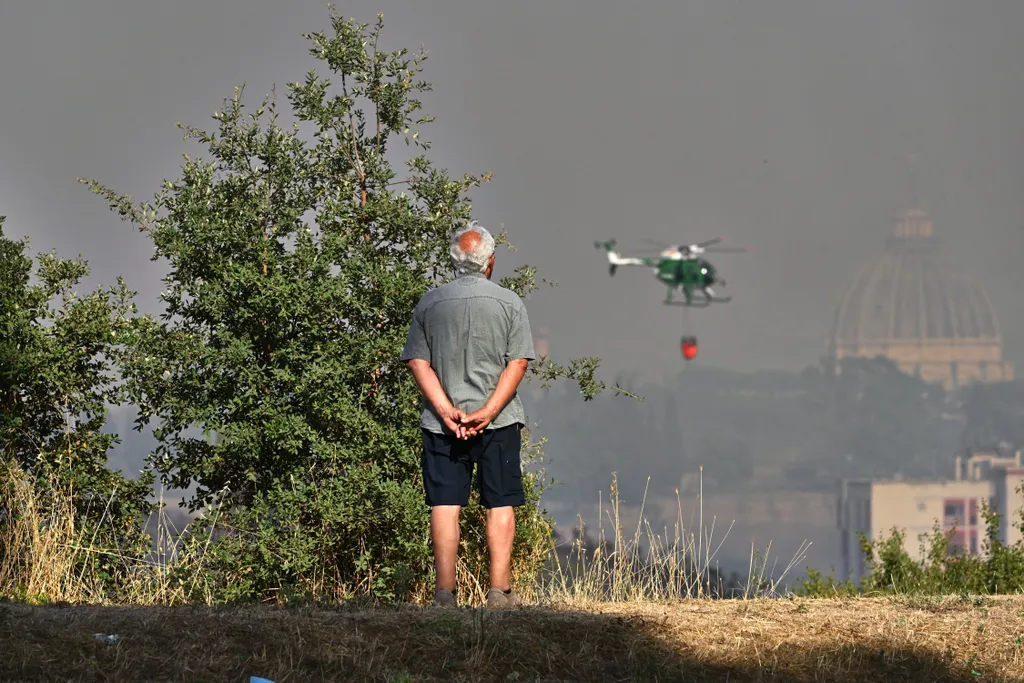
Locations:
(468, 330)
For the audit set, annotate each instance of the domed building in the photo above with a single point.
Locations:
(913, 306)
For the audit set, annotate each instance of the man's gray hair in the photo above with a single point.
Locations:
(474, 261)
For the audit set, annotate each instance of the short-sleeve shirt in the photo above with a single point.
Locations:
(469, 329)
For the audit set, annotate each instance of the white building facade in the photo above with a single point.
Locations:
(875, 507)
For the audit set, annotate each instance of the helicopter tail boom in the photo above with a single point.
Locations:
(615, 260)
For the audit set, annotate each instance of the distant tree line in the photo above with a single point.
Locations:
(772, 430)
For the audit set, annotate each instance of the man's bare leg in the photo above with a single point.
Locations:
(444, 532)
(501, 530)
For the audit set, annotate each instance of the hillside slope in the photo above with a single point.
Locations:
(909, 639)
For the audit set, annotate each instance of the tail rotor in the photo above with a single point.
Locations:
(609, 247)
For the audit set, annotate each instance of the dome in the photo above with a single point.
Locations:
(915, 307)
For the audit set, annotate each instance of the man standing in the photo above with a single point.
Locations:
(469, 346)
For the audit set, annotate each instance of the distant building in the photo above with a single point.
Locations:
(876, 506)
(915, 307)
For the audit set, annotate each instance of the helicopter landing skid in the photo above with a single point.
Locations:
(698, 304)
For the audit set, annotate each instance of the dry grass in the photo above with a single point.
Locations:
(35, 557)
(885, 639)
(677, 563)
(41, 545)
(634, 609)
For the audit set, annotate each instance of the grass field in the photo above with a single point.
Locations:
(884, 639)
(603, 616)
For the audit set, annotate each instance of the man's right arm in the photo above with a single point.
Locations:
(508, 383)
(432, 390)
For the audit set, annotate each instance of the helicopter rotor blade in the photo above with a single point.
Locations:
(705, 246)
(680, 247)
(653, 248)
(657, 243)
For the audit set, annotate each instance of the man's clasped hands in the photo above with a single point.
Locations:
(466, 425)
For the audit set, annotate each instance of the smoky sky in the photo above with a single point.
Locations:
(785, 125)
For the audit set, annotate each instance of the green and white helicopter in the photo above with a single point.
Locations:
(679, 267)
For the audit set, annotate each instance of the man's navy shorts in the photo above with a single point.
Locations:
(448, 467)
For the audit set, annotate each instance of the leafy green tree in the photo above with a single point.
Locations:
(58, 356)
(994, 412)
(297, 254)
(878, 422)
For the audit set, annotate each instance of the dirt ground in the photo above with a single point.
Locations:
(885, 639)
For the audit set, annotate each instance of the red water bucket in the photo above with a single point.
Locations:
(689, 347)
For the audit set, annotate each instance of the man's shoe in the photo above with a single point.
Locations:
(499, 598)
(444, 598)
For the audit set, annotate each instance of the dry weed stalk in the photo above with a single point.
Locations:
(35, 561)
(44, 551)
(650, 566)
(40, 547)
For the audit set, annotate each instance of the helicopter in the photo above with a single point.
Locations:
(678, 267)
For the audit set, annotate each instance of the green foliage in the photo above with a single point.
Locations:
(297, 254)
(994, 412)
(58, 354)
(998, 569)
(815, 585)
(870, 410)
(762, 431)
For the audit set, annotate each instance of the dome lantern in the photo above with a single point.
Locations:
(913, 223)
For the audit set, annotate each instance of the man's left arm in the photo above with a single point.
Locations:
(520, 352)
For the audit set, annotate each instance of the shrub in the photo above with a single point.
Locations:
(58, 354)
(273, 379)
(997, 569)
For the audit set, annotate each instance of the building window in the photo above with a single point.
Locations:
(974, 542)
(860, 516)
(953, 510)
(974, 512)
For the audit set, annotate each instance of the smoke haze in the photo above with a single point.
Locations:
(787, 126)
